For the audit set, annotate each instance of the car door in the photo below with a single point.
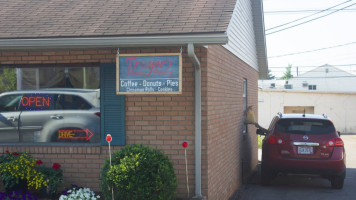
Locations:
(38, 116)
(9, 117)
(81, 123)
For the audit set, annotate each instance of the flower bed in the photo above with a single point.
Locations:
(21, 173)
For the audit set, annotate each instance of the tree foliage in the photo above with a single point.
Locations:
(270, 76)
(7, 80)
(288, 74)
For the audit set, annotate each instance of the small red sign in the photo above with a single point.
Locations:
(185, 144)
(108, 138)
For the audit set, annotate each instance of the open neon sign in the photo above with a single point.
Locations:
(36, 101)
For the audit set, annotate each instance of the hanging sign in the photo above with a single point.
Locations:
(149, 73)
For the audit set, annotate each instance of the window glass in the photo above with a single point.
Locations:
(10, 102)
(72, 102)
(47, 103)
(305, 126)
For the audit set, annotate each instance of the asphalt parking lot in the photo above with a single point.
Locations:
(298, 187)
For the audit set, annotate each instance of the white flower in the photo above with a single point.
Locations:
(82, 194)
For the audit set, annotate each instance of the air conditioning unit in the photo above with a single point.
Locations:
(288, 86)
(273, 85)
(305, 84)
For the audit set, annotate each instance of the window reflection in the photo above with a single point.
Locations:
(50, 104)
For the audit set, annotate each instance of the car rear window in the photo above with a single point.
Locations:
(305, 126)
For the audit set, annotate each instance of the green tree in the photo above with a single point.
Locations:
(288, 74)
(7, 80)
(269, 75)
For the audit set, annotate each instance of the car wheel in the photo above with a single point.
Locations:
(266, 175)
(337, 182)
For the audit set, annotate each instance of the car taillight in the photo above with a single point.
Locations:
(337, 142)
(274, 140)
(98, 114)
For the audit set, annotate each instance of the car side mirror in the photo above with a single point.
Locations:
(261, 131)
(339, 133)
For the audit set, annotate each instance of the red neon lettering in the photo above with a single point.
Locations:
(35, 101)
(24, 103)
(38, 101)
(31, 100)
(45, 102)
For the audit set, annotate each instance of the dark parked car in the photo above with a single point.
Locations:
(50, 115)
(303, 144)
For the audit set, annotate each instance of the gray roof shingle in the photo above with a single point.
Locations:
(100, 18)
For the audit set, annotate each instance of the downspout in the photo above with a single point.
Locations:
(197, 66)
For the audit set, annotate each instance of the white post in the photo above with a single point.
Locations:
(186, 170)
(109, 139)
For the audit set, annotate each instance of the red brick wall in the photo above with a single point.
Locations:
(160, 121)
(164, 121)
(227, 148)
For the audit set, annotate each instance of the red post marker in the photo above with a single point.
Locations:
(108, 138)
(185, 144)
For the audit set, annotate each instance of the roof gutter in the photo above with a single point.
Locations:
(96, 42)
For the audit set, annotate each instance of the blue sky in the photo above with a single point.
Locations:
(326, 34)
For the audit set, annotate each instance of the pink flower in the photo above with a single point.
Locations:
(7, 151)
(56, 166)
(15, 154)
(39, 162)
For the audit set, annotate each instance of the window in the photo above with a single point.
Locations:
(305, 126)
(299, 109)
(10, 102)
(244, 128)
(312, 87)
(72, 102)
(58, 77)
(50, 104)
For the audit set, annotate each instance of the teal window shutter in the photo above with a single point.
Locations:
(112, 106)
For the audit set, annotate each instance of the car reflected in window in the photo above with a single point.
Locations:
(50, 115)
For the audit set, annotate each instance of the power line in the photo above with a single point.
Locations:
(282, 69)
(310, 20)
(302, 11)
(325, 77)
(307, 16)
(314, 50)
(311, 66)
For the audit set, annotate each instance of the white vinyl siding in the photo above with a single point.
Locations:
(241, 34)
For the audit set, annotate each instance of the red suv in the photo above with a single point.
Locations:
(304, 144)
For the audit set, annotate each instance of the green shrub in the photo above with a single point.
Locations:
(139, 172)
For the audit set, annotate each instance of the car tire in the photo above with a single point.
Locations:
(337, 182)
(266, 175)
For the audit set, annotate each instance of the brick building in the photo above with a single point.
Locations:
(223, 54)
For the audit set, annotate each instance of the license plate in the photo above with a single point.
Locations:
(305, 150)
